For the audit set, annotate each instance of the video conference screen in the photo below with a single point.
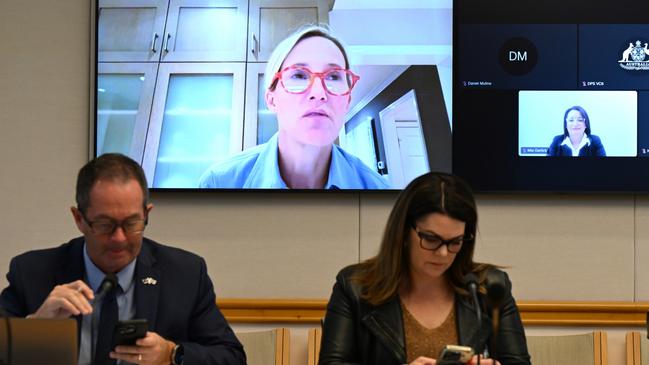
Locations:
(180, 88)
(552, 96)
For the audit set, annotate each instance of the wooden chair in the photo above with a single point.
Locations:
(584, 349)
(266, 347)
(313, 343)
(637, 349)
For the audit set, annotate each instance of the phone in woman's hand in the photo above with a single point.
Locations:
(455, 354)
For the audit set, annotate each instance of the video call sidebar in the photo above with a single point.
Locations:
(502, 48)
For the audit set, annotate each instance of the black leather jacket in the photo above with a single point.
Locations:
(356, 332)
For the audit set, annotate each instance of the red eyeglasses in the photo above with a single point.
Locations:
(298, 79)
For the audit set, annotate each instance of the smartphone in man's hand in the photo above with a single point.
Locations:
(127, 332)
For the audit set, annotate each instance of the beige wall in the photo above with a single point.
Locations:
(276, 245)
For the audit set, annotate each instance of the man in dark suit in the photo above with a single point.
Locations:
(168, 287)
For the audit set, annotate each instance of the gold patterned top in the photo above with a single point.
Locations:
(429, 342)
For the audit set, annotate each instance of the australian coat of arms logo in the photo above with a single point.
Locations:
(635, 57)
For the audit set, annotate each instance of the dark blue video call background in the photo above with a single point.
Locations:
(600, 46)
(480, 47)
(577, 46)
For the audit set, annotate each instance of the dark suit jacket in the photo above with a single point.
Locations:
(355, 332)
(181, 307)
(595, 148)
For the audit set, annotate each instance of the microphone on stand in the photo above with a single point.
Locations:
(109, 282)
(472, 283)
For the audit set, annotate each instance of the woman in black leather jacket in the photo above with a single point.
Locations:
(405, 304)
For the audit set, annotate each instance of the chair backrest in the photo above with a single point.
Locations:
(313, 343)
(584, 349)
(266, 347)
(637, 349)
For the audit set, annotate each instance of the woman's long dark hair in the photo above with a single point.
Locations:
(434, 192)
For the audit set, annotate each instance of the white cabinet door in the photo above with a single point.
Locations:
(196, 120)
(124, 96)
(130, 30)
(270, 21)
(205, 30)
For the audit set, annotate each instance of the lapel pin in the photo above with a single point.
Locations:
(149, 281)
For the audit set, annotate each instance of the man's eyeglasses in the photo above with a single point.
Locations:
(108, 226)
(432, 242)
(298, 79)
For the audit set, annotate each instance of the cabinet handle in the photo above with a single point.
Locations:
(255, 45)
(153, 39)
(165, 47)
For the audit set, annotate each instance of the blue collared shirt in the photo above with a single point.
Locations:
(258, 168)
(125, 304)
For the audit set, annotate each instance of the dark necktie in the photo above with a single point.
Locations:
(107, 319)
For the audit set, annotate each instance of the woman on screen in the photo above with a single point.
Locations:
(308, 85)
(576, 140)
(409, 301)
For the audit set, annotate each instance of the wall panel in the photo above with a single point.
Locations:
(263, 245)
(561, 247)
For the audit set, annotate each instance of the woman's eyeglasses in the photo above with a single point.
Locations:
(299, 79)
(432, 242)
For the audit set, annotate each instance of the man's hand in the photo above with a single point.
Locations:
(150, 350)
(66, 300)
